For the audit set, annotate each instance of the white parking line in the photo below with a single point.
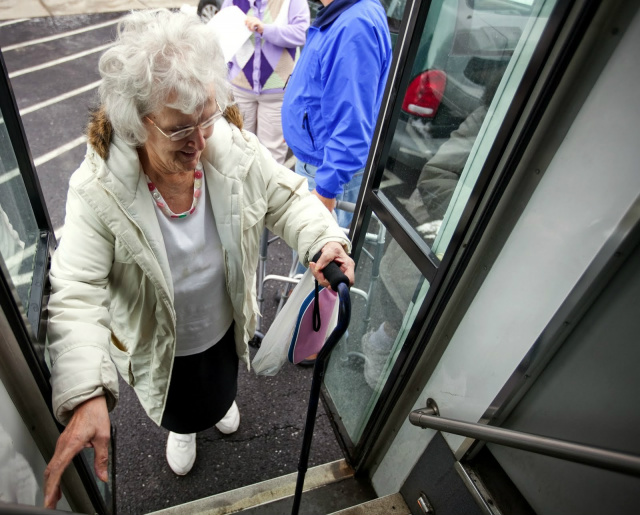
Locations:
(25, 254)
(391, 179)
(12, 22)
(56, 62)
(60, 98)
(22, 279)
(59, 151)
(11, 174)
(59, 36)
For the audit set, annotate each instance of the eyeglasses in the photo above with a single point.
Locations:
(183, 133)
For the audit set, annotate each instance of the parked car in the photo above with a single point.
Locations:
(207, 9)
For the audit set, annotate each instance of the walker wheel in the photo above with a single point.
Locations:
(256, 341)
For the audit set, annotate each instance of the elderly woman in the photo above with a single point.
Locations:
(155, 273)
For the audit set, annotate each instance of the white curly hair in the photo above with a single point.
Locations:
(157, 55)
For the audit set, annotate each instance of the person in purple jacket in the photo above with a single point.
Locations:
(260, 69)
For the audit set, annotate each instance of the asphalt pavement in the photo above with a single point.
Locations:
(17, 9)
(52, 61)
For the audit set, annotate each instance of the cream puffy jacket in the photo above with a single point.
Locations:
(112, 297)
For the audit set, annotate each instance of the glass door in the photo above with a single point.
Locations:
(26, 236)
(462, 72)
(26, 243)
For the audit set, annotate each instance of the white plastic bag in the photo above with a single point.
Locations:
(275, 345)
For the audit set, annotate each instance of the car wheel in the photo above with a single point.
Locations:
(207, 9)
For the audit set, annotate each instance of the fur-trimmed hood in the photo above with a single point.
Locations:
(100, 131)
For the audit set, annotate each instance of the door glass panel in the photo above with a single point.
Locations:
(24, 250)
(467, 52)
(395, 11)
(470, 63)
(492, 121)
(385, 299)
(18, 228)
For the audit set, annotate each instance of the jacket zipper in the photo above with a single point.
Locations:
(164, 299)
(306, 126)
(126, 213)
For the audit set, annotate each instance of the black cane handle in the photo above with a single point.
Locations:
(332, 273)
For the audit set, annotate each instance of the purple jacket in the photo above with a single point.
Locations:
(268, 66)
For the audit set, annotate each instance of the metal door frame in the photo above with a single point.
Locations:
(544, 71)
(24, 371)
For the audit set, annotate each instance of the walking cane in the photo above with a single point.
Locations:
(339, 283)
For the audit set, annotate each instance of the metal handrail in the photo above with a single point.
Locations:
(429, 418)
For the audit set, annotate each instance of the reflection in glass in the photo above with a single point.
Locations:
(491, 125)
(388, 291)
(17, 481)
(18, 228)
(464, 53)
(107, 489)
(470, 61)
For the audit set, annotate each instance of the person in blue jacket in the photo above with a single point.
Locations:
(332, 99)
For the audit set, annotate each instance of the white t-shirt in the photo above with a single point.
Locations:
(203, 307)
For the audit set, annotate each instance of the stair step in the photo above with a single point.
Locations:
(390, 504)
(263, 493)
(320, 501)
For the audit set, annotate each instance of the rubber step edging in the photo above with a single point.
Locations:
(387, 505)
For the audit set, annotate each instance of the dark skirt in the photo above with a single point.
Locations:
(203, 387)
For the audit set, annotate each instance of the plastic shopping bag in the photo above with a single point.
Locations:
(274, 347)
(289, 333)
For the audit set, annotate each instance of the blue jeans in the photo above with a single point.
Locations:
(350, 193)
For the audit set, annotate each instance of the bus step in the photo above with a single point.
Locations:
(327, 489)
(393, 503)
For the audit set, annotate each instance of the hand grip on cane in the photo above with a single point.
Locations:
(332, 273)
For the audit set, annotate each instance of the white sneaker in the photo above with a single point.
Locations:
(230, 422)
(181, 452)
(376, 347)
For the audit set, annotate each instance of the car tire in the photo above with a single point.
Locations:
(207, 9)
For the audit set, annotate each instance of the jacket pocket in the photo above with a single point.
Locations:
(306, 125)
(253, 224)
(122, 359)
(227, 273)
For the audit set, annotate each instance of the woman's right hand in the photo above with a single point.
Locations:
(89, 427)
(333, 251)
(254, 24)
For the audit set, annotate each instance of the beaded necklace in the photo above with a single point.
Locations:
(162, 204)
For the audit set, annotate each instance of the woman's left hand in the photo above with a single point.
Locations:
(333, 251)
(254, 24)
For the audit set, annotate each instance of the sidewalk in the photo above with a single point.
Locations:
(16, 9)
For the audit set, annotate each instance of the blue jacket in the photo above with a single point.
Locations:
(332, 99)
